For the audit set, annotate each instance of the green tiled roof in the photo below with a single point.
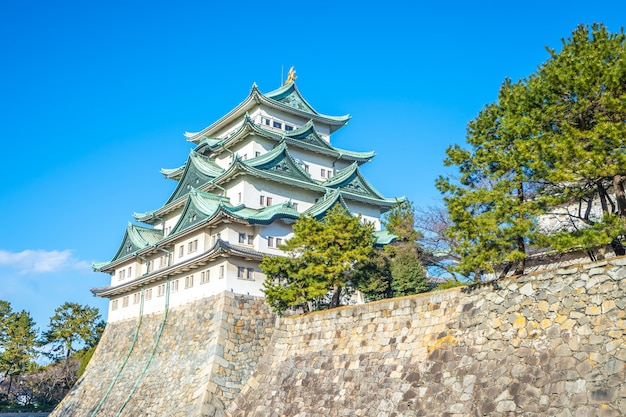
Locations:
(173, 173)
(280, 161)
(319, 209)
(217, 249)
(350, 179)
(289, 95)
(204, 207)
(383, 237)
(268, 215)
(304, 136)
(286, 98)
(199, 170)
(135, 239)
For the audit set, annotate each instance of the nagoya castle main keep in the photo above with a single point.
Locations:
(252, 173)
(190, 335)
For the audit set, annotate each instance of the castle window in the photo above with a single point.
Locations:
(250, 239)
(242, 238)
(204, 277)
(323, 173)
(288, 127)
(114, 305)
(129, 248)
(262, 200)
(257, 153)
(136, 298)
(239, 197)
(189, 281)
(241, 271)
(266, 121)
(148, 295)
(279, 242)
(295, 206)
(174, 286)
(306, 168)
(221, 271)
(278, 125)
(270, 242)
(192, 246)
(161, 290)
(125, 301)
(245, 156)
(268, 200)
(130, 272)
(249, 273)
(181, 251)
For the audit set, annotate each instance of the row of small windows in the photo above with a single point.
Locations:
(163, 261)
(122, 273)
(278, 125)
(191, 248)
(246, 239)
(274, 242)
(245, 155)
(242, 273)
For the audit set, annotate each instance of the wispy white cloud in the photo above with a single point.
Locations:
(41, 261)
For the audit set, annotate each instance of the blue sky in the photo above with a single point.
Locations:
(95, 97)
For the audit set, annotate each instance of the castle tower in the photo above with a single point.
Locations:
(252, 173)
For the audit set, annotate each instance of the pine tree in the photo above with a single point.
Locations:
(321, 256)
(549, 151)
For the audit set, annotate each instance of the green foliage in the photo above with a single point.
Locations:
(400, 221)
(18, 350)
(407, 272)
(6, 312)
(373, 276)
(42, 387)
(408, 275)
(551, 145)
(452, 283)
(71, 325)
(85, 358)
(321, 256)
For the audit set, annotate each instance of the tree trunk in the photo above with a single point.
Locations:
(521, 264)
(334, 301)
(602, 194)
(620, 195)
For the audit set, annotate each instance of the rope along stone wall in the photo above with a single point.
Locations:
(206, 351)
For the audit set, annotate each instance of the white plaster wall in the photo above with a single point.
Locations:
(369, 213)
(279, 194)
(184, 243)
(315, 162)
(275, 230)
(233, 190)
(130, 269)
(172, 218)
(244, 285)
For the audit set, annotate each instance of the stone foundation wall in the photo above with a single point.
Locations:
(206, 351)
(549, 344)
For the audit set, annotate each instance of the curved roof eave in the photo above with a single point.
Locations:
(256, 97)
(220, 247)
(290, 88)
